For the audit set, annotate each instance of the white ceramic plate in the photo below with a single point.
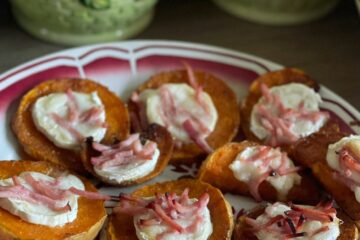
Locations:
(123, 66)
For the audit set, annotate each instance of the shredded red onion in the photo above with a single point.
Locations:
(125, 152)
(45, 193)
(289, 224)
(266, 155)
(278, 122)
(165, 209)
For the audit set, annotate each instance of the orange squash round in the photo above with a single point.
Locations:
(348, 230)
(311, 152)
(154, 133)
(225, 103)
(90, 218)
(39, 147)
(215, 171)
(271, 79)
(121, 226)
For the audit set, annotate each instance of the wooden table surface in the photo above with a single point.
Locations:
(328, 49)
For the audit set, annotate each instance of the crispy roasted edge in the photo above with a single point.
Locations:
(91, 213)
(39, 147)
(271, 79)
(154, 133)
(311, 151)
(343, 196)
(224, 100)
(215, 170)
(348, 230)
(313, 148)
(121, 226)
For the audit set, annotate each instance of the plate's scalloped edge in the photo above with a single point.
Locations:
(131, 47)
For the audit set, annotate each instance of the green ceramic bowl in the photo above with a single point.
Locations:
(76, 22)
(278, 12)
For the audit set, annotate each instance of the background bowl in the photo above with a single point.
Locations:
(278, 12)
(76, 22)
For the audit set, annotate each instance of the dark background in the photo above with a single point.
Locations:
(328, 49)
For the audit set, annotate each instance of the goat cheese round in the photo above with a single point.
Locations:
(202, 232)
(40, 214)
(332, 158)
(184, 100)
(247, 170)
(128, 172)
(58, 103)
(291, 95)
(308, 227)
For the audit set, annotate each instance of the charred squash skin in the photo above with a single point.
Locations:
(271, 79)
(90, 218)
(39, 147)
(348, 230)
(311, 151)
(154, 133)
(225, 103)
(121, 226)
(215, 171)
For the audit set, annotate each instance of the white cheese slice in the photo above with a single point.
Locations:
(184, 97)
(245, 171)
(202, 232)
(40, 214)
(332, 159)
(57, 103)
(309, 226)
(128, 172)
(291, 95)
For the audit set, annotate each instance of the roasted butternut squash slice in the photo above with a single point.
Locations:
(271, 79)
(311, 151)
(215, 170)
(154, 133)
(348, 230)
(121, 226)
(225, 103)
(90, 217)
(39, 147)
